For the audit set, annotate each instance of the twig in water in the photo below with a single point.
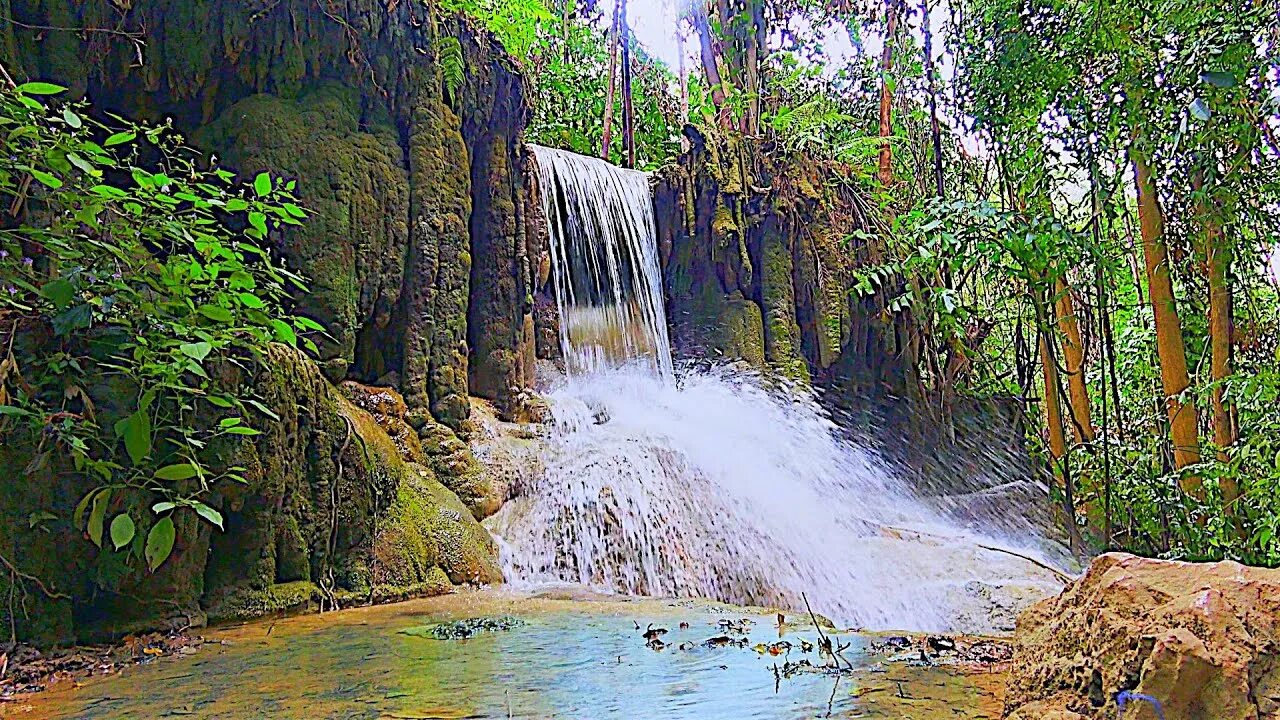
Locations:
(831, 700)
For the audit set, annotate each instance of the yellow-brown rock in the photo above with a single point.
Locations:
(1200, 639)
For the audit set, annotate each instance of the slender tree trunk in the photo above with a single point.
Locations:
(684, 87)
(710, 63)
(886, 92)
(613, 72)
(1219, 253)
(628, 109)
(931, 77)
(1169, 344)
(1073, 363)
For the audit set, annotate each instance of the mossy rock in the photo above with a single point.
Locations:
(248, 603)
(428, 527)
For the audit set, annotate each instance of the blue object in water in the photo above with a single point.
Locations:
(1125, 696)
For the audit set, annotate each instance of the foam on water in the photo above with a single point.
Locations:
(704, 482)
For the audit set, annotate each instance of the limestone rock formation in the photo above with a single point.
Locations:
(414, 185)
(1202, 640)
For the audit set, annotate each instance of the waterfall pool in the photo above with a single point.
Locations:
(573, 655)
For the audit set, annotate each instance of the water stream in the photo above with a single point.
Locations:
(704, 482)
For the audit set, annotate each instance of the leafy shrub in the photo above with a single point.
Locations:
(133, 281)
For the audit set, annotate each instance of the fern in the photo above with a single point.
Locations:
(452, 66)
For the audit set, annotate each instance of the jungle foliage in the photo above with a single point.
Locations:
(135, 282)
(1080, 213)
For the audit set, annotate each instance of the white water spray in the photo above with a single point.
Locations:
(709, 484)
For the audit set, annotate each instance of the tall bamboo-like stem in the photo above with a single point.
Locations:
(886, 92)
(613, 71)
(628, 108)
(1170, 347)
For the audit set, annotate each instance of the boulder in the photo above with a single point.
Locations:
(1201, 641)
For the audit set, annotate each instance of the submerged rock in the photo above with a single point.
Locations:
(1200, 641)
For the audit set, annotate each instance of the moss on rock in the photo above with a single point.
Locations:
(350, 173)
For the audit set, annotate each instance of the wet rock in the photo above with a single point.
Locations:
(1201, 640)
(388, 409)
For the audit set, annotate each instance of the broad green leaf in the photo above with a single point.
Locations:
(122, 530)
(251, 300)
(163, 507)
(120, 138)
(208, 513)
(284, 332)
(159, 543)
(180, 471)
(39, 88)
(58, 291)
(136, 431)
(46, 179)
(242, 430)
(71, 118)
(258, 222)
(262, 184)
(1219, 79)
(1199, 110)
(216, 313)
(96, 516)
(197, 350)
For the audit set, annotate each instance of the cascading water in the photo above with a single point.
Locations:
(604, 259)
(706, 483)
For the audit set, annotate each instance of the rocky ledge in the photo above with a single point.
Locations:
(1144, 639)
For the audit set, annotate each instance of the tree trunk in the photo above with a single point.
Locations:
(1073, 363)
(1218, 257)
(628, 110)
(1169, 344)
(613, 71)
(707, 48)
(931, 77)
(886, 93)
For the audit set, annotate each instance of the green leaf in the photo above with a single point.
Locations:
(122, 530)
(264, 409)
(220, 401)
(163, 507)
(216, 313)
(229, 422)
(242, 430)
(39, 88)
(262, 184)
(259, 223)
(284, 332)
(71, 118)
(236, 205)
(120, 138)
(96, 516)
(1218, 79)
(294, 210)
(196, 351)
(208, 513)
(159, 543)
(1199, 110)
(58, 291)
(136, 431)
(308, 324)
(46, 179)
(77, 517)
(180, 471)
(251, 300)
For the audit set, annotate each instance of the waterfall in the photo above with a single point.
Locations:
(604, 263)
(709, 482)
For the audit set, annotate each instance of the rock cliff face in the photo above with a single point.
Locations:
(402, 128)
(757, 257)
(1201, 641)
